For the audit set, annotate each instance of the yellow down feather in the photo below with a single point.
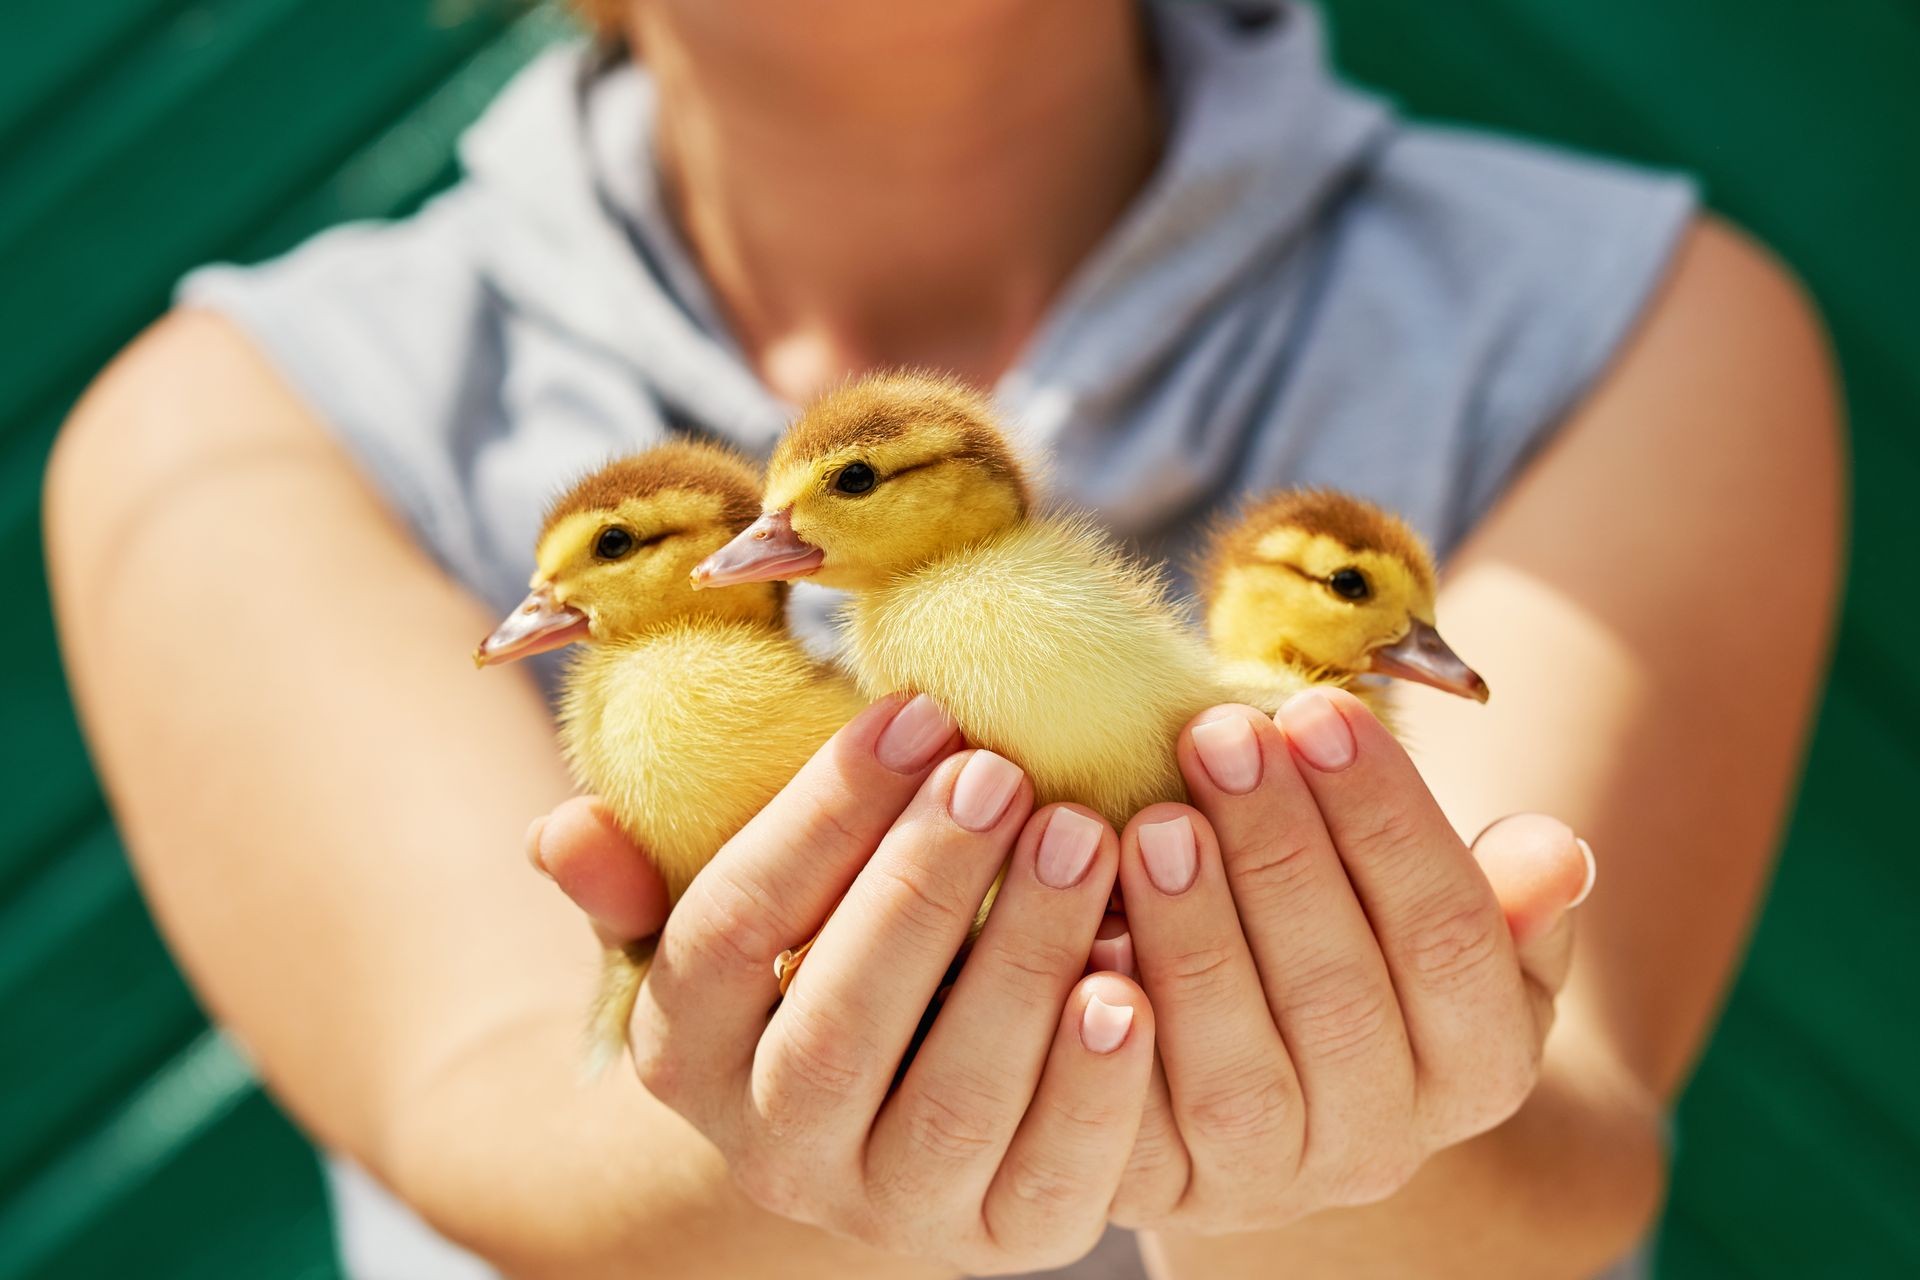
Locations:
(685, 711)
(1053, 648)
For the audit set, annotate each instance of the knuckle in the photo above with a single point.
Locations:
(1270, 867)
(1242, 1112)
(1083, 1116)
(1454, 942)
(825, 831)
(815, 1060)
(1034, 965)
(952, 1123)
(1201, 973)
(1157, 1158)
(925, 895)
(730, 927)
(1390, 834)
(1339, 1013)
(1043, 1187)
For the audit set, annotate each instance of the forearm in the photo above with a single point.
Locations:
(325, 805)
(1563, 1189)
(1635, 700)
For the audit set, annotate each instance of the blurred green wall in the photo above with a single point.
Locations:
(139, 137)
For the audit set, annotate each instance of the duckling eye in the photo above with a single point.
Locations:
(613, 543)
(1350, 584)
(855, 477)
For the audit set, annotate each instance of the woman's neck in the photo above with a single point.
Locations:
(871, 183)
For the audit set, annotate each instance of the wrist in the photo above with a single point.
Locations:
(1566, 1187)
(506, 1154)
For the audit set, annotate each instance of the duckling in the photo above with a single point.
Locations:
(686, 711)
(1044, 641)
(1314, 586)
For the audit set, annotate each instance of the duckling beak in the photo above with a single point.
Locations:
(766, 550)
(536, 625)
(1424, 658)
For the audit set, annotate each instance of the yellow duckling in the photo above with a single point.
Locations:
(687, 710)
(1313, 586)
(1037, 634)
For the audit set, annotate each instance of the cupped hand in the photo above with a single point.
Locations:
(1003, 1143)
(1343, 987)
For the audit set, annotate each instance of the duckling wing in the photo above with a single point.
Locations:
(687, 733)
(1049, 646)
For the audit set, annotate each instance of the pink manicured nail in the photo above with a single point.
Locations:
(1103, 1026)
(1593, 873)
(915, 736)
(1170, 854)
(981, 792)
(1114, 955)
(1066, 849)
(534, 829)
(1230, 753)
(1318, 731)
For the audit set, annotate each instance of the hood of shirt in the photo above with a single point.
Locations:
(1260, 137)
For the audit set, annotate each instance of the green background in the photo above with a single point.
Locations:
(140, 137)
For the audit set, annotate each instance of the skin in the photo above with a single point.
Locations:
(983, 175)
(989, 1164)
(355, 907)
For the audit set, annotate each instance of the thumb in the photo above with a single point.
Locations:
(580, 848)
(1539, 871)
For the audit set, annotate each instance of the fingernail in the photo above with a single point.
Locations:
(1113, 955)
(534, 829)
(1230, 753)
(1103, 1026)
(1066, 849)
(915, 736)
(981, 792)
(1169, 852)
(1593, 873)
(1318, 731)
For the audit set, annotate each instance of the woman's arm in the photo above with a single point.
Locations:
(324, 805)
(1652, 606)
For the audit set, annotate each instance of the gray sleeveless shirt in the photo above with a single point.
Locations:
(1308, 290)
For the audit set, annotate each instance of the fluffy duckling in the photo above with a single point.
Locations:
(1313, 586)
(686, 711)
(1037, 634)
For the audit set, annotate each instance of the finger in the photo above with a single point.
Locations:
(1112, 950)
(836, 1041)
(1158, 1169)
(943, 1133)
(1539, 871)
(1325, 980)
(580, 848)
(1437, 921)
(1049, 1200)
(1235, 1095)
(707, 998)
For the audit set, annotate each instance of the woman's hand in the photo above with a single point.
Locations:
(1002, 1145)
(1342, 988)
